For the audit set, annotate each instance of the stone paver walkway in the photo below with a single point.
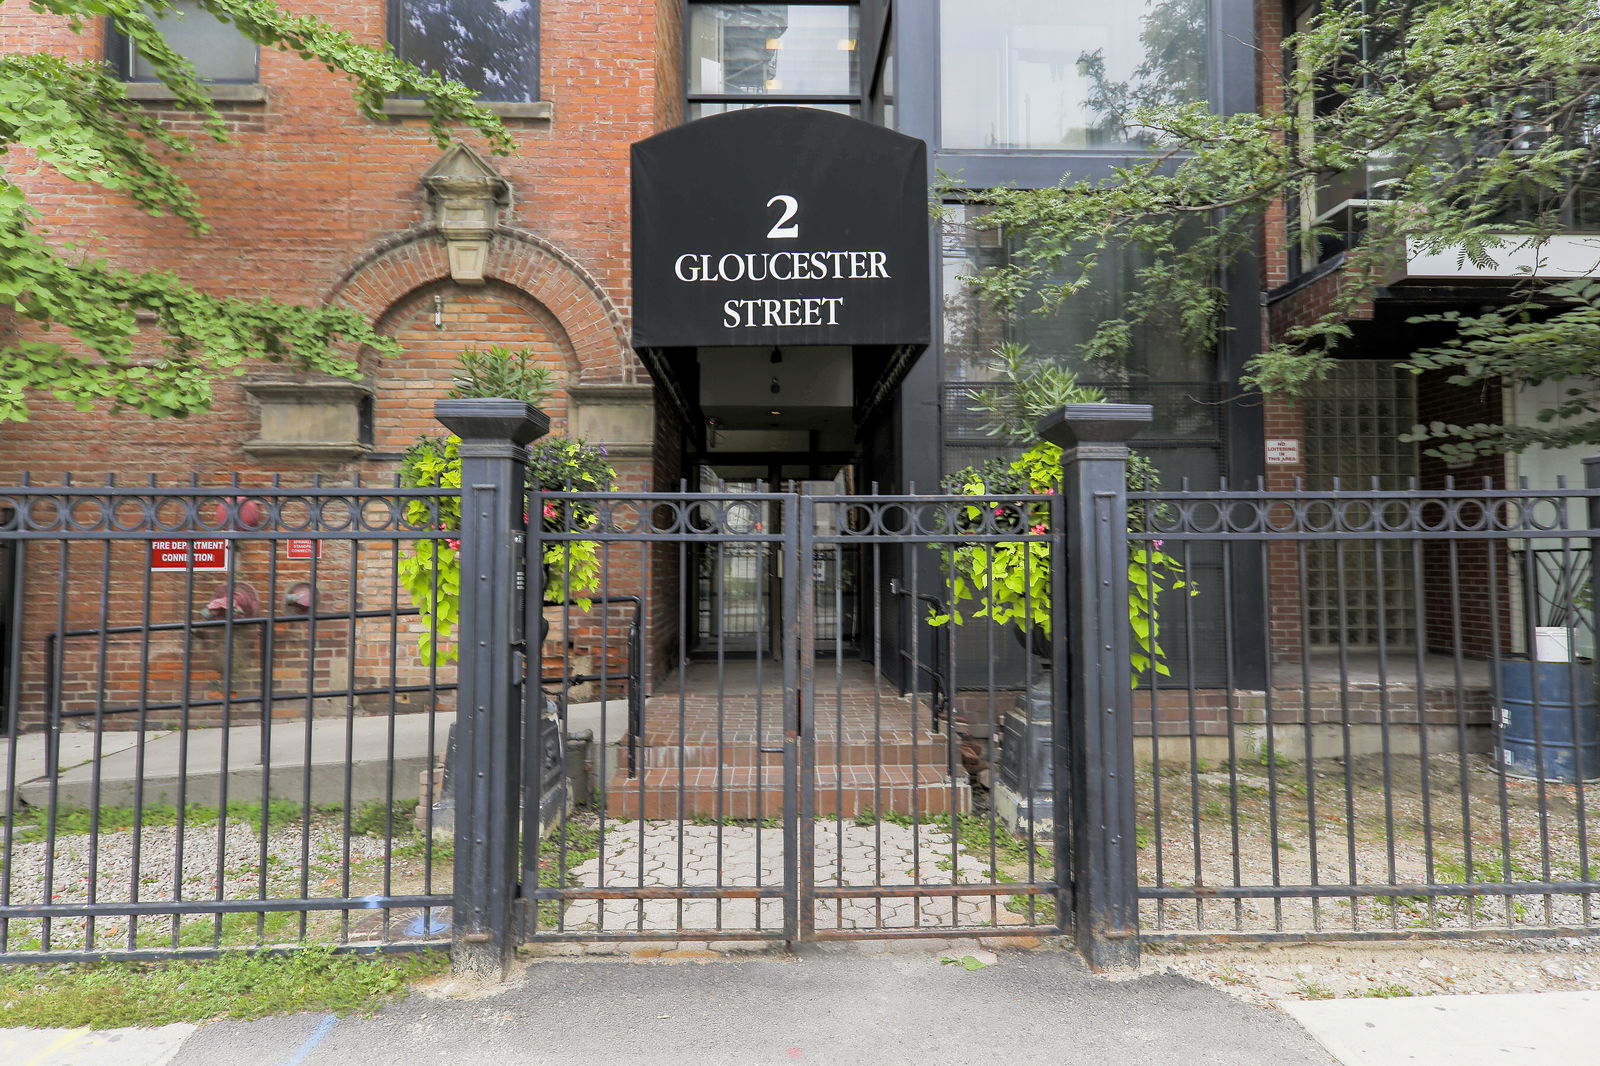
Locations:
(652, 854)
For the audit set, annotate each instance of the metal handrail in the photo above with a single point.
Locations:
(943, 656)
(634, 675)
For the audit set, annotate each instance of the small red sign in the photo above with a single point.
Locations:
(304, 548)
(199, 555)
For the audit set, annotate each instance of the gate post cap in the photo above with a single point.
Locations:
(484, 420)
(1094, 423)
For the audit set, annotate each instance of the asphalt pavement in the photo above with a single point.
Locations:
(842, 1008)
(837, 1008)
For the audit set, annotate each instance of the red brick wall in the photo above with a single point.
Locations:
(1269, 98)
(310, 187)
(313, 203)
(1470, 586)
(1284, 419)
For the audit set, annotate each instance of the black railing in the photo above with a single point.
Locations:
(938, 670)
(1406, 769)
(1386, 753)
(632, 676)
(132, 827)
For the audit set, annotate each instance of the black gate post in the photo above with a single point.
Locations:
(1096, 852)
(494, 436)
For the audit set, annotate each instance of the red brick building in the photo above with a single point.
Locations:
(311, 202)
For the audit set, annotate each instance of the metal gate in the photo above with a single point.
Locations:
(841, 786)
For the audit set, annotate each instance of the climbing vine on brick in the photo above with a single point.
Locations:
(151, 341)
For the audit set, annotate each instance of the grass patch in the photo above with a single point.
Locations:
(33, 823)
(374, 819)
(111, 994)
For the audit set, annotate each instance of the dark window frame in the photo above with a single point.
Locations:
(119, 53)
(395, 25)
(857, 100)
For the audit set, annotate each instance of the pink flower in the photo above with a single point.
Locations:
(1156, 544)
(455, 545)
(1048, 491)
(549, 510)
(1040, 528)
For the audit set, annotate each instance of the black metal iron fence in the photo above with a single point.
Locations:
(784, 779)
(228, 712)
(219, 732)
(1415, 755)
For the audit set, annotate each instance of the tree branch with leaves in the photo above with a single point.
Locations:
(1481, 114)
(74, 118)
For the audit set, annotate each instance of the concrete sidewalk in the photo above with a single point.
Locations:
(841, 1007)
(1550, 1027)
(365, 743)
(196, 759)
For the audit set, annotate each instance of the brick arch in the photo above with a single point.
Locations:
(399, 267)
(434, 324)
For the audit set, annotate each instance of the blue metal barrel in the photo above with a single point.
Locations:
(1546, 739)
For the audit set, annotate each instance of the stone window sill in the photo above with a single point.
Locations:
(538, 110)
(155, 92)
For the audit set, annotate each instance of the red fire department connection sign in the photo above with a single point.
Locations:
(201, 555)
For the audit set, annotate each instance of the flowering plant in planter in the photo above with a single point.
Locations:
(430, 570)
(1008, 582)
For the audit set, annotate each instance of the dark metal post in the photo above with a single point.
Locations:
(1096, 851)
(494, 435)
(1591, 481)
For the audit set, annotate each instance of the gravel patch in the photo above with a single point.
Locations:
(203, 863)
(1266, 975)
(1372, 824)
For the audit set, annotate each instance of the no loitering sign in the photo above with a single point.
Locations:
(181, 555)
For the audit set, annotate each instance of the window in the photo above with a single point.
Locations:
(1185, 440)
(747, 55)
(491, 46)
(973, 326)
(1331, 215)
(1065, 73)
(219, 52)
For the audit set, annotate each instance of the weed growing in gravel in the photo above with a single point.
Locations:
(1310, 989)
(106, 995)
(576, 844)
(1394, 990)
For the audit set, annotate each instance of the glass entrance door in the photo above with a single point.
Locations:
(737, 584)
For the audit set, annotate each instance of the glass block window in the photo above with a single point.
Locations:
(491, 46)
(1353, 423)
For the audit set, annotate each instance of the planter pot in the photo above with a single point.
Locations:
(1024, 793)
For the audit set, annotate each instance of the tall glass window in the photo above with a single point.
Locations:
(745, 55)
(488, 45)
(1184, 441)
(1066, 73)
(973, 326)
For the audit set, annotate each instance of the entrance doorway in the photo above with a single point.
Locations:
(738, 585)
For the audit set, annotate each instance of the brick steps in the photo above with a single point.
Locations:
(659, 751)
(757, 792)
